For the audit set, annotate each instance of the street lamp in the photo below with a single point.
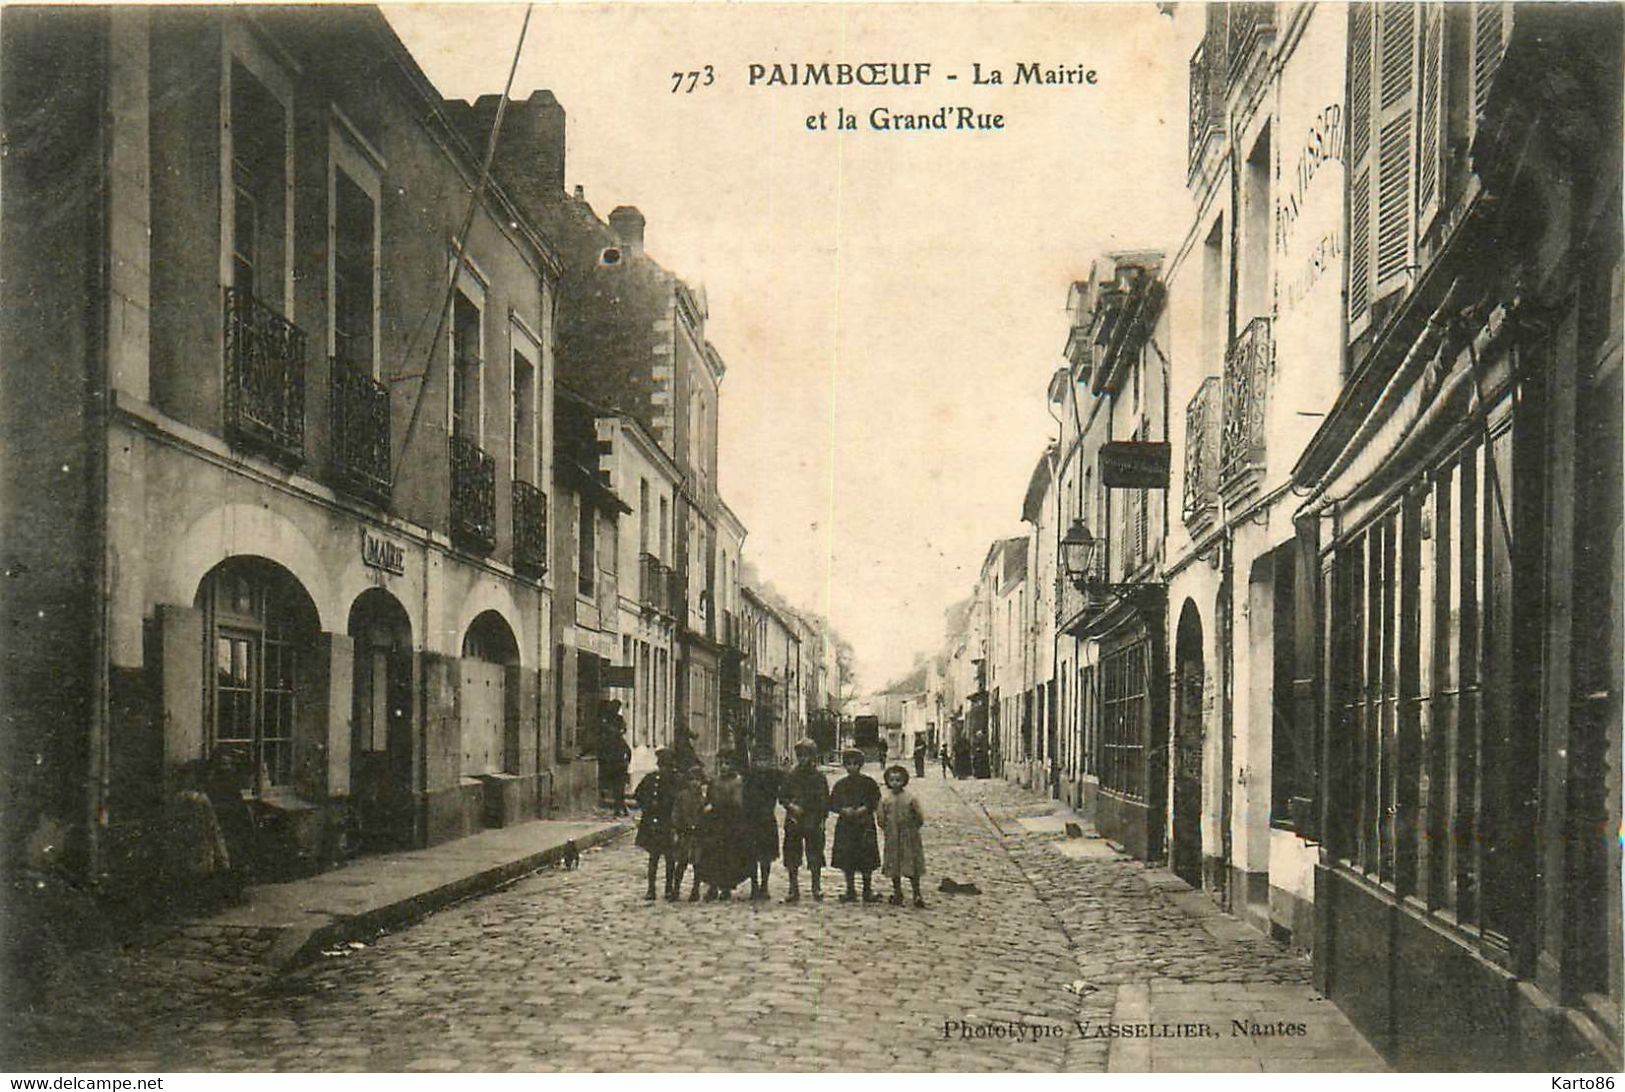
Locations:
(1079, 553)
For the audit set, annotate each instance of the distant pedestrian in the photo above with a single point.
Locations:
(901, 818)
(724, 853)
(656, 795)
(883, 749)
(919, 757)
(761, 792)
(688, 809)
(946, 759)
(614, 756)
(805, 796)
(854, 800)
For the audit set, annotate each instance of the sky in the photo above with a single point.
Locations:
(890, 305)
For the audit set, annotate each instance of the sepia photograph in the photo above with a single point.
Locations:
(874, 538)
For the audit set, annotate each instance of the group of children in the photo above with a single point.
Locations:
(725, 828)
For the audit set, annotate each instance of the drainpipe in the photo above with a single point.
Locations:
(1225, 601)
(98, 390)
(1060, 574)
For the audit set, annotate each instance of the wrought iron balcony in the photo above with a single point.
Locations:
(1202, 454)
(677, 590)
(473, 496)
(1246, 381)
(733, 631)
(654, 584)
(265, 379)
(360, 408)
(1251, 24)
(529, 530)
(1207, 95)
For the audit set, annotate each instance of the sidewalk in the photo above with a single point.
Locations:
(284, 924)
(1250, 1021)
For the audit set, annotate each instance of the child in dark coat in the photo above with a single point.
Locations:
(854, 800)
(687, 810)
(724, 852)
(656, 794)
(805, 796)
(761, 825)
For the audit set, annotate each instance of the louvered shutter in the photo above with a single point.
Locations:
(1393, 201)
(1491, 24)
(1430, 124)
(1142, 544)
(1362, 65)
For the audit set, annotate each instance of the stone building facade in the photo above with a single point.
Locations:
(304, 418)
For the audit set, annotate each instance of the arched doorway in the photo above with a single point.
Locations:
(380, 724)
(1188, 741)
(260, 633)
(489, 649)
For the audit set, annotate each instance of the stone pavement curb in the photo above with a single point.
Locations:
(296, 945)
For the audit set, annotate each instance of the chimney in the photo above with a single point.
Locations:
(531, 149)
(627, 224)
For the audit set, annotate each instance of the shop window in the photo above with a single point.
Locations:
(589, 702)
(260, 628)
(1124, 691)
(1418, 631)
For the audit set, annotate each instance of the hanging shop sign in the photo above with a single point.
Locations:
(1134, 464)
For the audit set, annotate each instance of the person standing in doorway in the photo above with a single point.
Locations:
(615, 759)
(919, 757)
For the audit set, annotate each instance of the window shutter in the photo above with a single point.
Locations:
(1430, 131)
(1491, 22)
(1395, 118)
(1144, 549)
(1361, 66)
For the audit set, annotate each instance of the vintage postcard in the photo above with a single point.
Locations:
(812, 537)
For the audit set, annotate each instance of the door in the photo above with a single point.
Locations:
(484, 705)
(1188, 742)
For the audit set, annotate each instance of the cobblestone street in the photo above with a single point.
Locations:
(575, 971)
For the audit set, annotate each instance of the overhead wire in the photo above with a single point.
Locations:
(459, 243)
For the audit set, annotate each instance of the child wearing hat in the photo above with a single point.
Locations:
(854, 800)
(686, 811)
(901, 818)
(805, 796)
(761, 792)
(724, 852)
(655, 795)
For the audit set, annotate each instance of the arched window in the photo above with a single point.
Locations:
(260, 627)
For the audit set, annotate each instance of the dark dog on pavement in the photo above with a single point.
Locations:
(572, 855)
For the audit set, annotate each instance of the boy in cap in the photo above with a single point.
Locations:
(655, 795)
(805, 796)
(762, 782)
(854, 799)
(687, 810)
